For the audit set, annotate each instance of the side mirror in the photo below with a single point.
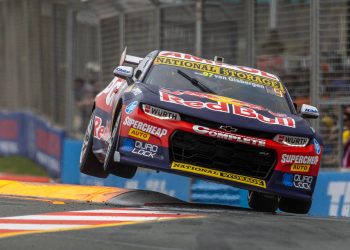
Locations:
(308, 111)
(124, 72)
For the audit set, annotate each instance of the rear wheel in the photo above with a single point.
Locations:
(89, 164)
(110, 165)
(262, 202)
(294, 205)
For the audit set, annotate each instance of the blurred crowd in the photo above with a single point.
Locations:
(346, 138)
(84, 95)
(335, 132)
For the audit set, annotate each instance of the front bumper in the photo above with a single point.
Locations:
(270, 167)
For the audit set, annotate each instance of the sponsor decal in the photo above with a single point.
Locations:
(219, 106)
(128, 144)
(123, 70)
(228, 128)
(339, 192)
(145, 149)
(302, 181)
(299, 159)
(315, 111)
(228, 136)
(317, 147)
(225, 108)
(98, 128)
(297, 180)
(112, 91)
(197, 59)
(141, 126)
(223, 71)
(131, 107)
(139, 134)
(160, 113)
(287, 180)
(136, 91)
(293, 141)
(218, 174)
(300, 168)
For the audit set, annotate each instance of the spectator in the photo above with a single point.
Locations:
(346, 138)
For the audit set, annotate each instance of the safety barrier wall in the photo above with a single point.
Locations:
(331, 197)
(25, 134)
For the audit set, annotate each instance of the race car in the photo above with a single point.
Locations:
(202, 118)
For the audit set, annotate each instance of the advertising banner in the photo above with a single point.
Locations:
(12, 134)
(45, 144)
(27, 135)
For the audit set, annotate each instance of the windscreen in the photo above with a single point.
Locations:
(178, 74)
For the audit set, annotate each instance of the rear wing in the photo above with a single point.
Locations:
(124, 58)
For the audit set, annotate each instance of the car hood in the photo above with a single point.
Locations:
(225, 111)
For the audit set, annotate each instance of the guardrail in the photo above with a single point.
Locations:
(28, 135)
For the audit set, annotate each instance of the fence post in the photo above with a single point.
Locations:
(250, 48)
(122, 31)
(69, 70)
(199, 23)
(315, 57)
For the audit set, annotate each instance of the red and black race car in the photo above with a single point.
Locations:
(203, 118)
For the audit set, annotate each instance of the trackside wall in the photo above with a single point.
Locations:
(28, 135)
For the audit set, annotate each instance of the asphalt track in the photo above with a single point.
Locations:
(220, 228)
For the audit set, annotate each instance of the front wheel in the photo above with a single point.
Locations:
(295, 206)
(89, 164)
(262, 202)
(110, 165)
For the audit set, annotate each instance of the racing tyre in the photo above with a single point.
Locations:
(294, 206)
(110, 165)
(89, 164)
(261, 202)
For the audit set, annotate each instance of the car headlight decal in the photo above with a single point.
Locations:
(292, 141)
(160, 113)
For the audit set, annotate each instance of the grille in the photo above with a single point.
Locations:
(215, 125)
(222, 155)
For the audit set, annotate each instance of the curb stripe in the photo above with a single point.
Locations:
(120, 211)
(82, 218)
(71, 220)
(36, 226)
(60, 191)
(131, 215)
(15, 221)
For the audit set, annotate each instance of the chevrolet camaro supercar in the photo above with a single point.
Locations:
(202, 118)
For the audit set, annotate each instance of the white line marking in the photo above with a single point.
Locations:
(36, 226)
(117, 211)
(81, 218)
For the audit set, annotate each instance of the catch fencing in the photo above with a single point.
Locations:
(54, 51)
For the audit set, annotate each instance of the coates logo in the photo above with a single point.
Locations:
(228, 136)
(225, 108)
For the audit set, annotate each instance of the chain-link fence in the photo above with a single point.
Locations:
(55, 54)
